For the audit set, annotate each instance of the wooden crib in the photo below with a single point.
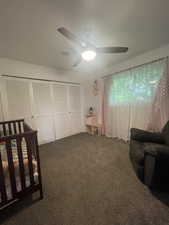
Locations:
(20, 173)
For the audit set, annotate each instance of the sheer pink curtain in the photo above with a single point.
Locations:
(160, 107)
(156, 117)
(106, 126)
(115, 118)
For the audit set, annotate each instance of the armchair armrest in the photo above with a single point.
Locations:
(156, 150)
(146, 136)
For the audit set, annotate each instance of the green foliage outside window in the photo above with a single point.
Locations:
(135, 85)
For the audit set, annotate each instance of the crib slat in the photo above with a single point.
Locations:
(21, 163)
(10, 129)
(11, 167)
(2, 183)
(14, 126)
(4, 129)
(30, 164)
(1, 130)
(38, 165)
(19, 126)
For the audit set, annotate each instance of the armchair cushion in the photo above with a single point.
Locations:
(146, 136)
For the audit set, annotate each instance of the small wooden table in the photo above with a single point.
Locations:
(93, 127)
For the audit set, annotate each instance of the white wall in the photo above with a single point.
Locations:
(90, 100)
(19, 68)
(137, 60)
(95, 101)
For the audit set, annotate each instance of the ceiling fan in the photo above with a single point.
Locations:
(87, 51)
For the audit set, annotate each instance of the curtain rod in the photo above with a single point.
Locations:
(124, 70)
(30, 78)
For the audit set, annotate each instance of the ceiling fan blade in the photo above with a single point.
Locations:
(66, 53)
(111, 50)
(78, 61)
(78, 41)
(69, 35)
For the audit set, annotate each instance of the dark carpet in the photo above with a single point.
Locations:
(89, 180)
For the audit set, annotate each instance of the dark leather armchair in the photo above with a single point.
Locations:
(149, 154)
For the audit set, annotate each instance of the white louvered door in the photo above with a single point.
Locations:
(67, 103)
(52, 109)
(43, 111)
(61, 116)
(17, 100)
(75, 114)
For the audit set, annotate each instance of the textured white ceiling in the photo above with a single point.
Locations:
(28, 29)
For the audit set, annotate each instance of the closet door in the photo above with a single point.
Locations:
(60, 99)
(18, 100)
(75, 109)
(43, 112)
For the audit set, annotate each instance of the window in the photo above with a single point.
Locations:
(138, 84)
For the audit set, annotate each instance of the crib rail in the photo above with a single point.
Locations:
(11, 127)
(18, 130)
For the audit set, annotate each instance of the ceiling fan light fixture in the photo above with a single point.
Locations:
(88, 55)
